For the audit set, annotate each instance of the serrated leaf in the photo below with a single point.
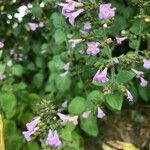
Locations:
(63, 83)
(114, 100)
(77, 106)
(89, 125)
(59, 36)
(125, 76)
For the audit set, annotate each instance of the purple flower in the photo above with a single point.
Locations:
(72, 15)
(143, 82)
(66, 69)
(86, 114)
(106, 12)
(69, 6)
(74, 119)
(101, 76)
(65, 104)
(100, 113)
(93, 48)
(31, 128)
(2, 76)
(129, 95)
(120, 39)
(33, 26)
(65, 119)
(87, 26)
(146, 63)
(81, 51)
(1, 44)
(66, 66)
(41, 24)
(53, 139)
(138, 73)
(74, 42)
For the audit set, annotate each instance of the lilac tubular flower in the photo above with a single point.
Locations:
(1, 44)
(138, 73)
(106, 12)
(146, 63)
(53, 139)
(101, 76)
(66, 69)
(143, 82)
(129, 95)
(66, 66)
(2, 76)
(120, 39)
(93, 48)
(31, 128)
(72, 16)
(69, 6)
(87, 26)
(33, 26)
(100, 113)
(65, 119)
(74, 42)
(65, 104)
(41, 24)
(86, 114)
(74, 120)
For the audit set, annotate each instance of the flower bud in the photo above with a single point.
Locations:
(105, 25)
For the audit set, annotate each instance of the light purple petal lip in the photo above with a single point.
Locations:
(87, 26)
(53, 139)
(31, 128)
(93, 48)
(120, 39)
(106, 12)
(101, 76)
(146, 64)
(100, 113)
(129, 95)
(143, 82)
(1, 44)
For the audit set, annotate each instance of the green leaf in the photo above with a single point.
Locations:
(59, 36)
(136, 28)
(8, 104)
(17, 70)
(58, 20)
(38, 80)
(39, 62)
(36, 10)
(114, 100)
(66, 133)
(144, 92)
(89, 125)
(125, 76)
(133, 44)
(77, 106)
(2, 68)
(63, 83)
(92, 98)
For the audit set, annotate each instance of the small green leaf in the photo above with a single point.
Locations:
(59, 36)
(89, 125)
(133, 44)
(17, 70)
(63, 83)
(114, 100)
(77, 106)
(125, 76)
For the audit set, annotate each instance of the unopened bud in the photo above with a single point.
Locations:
(105, 25)
(109, 40)
(147, 19)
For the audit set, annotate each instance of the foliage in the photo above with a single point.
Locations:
(34, 80)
